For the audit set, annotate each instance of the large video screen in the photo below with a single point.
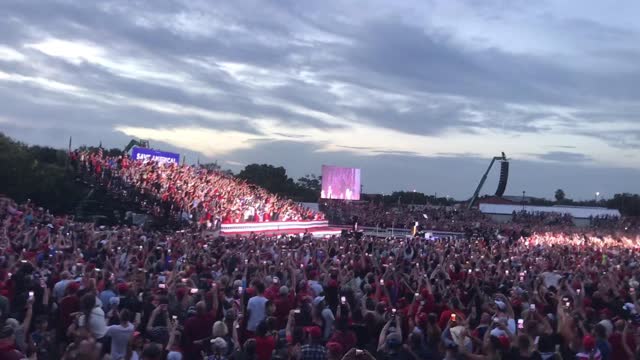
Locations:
(340, 183)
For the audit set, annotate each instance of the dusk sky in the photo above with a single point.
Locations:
(419, 94)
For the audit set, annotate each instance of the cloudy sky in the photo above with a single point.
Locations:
(419, 94)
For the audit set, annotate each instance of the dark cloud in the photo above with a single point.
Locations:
(413, 79)
(564, 157)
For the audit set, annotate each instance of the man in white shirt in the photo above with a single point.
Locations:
(256, 307)
(120, 335)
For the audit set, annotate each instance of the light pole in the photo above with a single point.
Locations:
(523, 193)
(597, 195)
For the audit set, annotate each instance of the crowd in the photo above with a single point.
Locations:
(190, 193)
(468, 221)
(75, 291)
(402, 216)
(539, 218)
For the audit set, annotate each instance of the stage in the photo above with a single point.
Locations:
(316, 228)
(316, 232)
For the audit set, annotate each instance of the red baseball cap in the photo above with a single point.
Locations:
(588, 342)
(313, 331)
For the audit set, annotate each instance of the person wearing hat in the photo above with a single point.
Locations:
(504, 313)
(68, 305)
(390, 339)
(589, 349)
(322, 315)
(197, 328)
(256, 307)
(313, 349)
(284, 303)
(272, 292)
(219, 349)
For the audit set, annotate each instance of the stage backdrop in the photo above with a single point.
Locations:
(340, 183)
(162, 157)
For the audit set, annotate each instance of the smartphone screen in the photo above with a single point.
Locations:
(343, 300)
(520, 324)
(453, 317)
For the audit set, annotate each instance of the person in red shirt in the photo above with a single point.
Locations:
(8, 349)
(197, 328)
(272, 291)
(343, 336)
(616, 341)
(265, 342)
(68, 305)
(284, 303)
(454, 308)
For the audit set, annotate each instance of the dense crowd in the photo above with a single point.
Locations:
(539, 218)
(193, 194)
(402, 216)
(73, 291)
(468, 221)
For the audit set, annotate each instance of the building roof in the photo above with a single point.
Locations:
(580, 212)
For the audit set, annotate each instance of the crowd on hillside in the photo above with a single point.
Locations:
(190, 193)
(75, 291)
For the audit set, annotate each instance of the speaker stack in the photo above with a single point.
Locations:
(504, 176)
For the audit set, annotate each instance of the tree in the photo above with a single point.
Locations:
(214, 166)
(274, 179)
(38, 173)
(560, 195)
(310, 182)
